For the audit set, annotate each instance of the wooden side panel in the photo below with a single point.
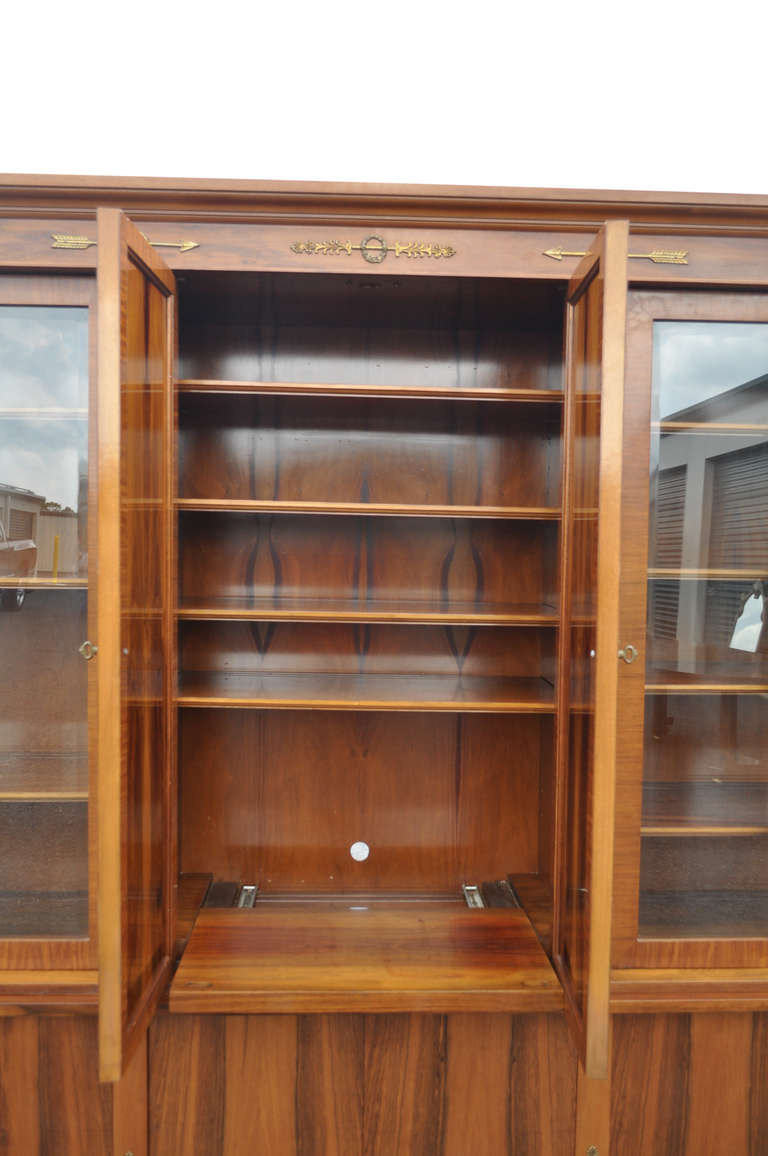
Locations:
(383, 1085)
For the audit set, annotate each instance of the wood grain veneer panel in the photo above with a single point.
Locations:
(277, 797)
(405, 1058)
(330, 1085)
(478, 1109)
(188, 1075)
(130, 1108)
(650, 1082)
(411, 562)
(377, 956)
(75, 1110)
(367, 450)
(261, 1056)
(368, 1085)
(543, 1085)
(719, 1084)
(372, 329)
(758, 1109)
(355, 692)
(19, 1091)
(302, 648)
(510, 1086)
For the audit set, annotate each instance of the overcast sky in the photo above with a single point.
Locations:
(665, 95)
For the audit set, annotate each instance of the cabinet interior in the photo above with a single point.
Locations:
(368, 512)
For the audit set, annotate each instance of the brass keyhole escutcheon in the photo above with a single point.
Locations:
(592, 1151)
(629, 653)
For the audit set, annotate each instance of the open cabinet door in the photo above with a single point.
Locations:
(595, 342)
(136, 341)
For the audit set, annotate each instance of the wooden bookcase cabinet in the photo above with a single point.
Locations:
(376, 573)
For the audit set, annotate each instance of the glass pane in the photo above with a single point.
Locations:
(44, 619)
(586, 386)
(704, 859)
(143, 529)
(43, 357)
(709, 370)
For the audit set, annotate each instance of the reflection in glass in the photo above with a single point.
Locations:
(704, 851)
(43, 620)
(704, 369)
(43, 357)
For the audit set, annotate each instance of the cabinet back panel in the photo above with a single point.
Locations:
(368, 450)
(278, 797)
(372, 330)
(407, 559)
(263, 648)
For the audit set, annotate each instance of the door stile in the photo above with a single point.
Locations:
(134, 354)
(589, 645)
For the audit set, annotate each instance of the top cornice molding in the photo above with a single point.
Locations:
(310, 201)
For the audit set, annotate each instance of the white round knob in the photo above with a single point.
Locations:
(359, 851)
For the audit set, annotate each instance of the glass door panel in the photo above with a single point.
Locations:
(704, 830)
(44, 393)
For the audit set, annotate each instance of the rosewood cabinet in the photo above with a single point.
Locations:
(386, 690)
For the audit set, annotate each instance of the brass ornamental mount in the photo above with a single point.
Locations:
(658, 256)
(71, 241)
(374, 249)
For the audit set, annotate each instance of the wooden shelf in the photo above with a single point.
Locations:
(706, 575)
(367, 692)
(371, 957)
(43, 583)
(683, 682)
(43, 796)
(378, 610)
(538, 513)
(711, 427)
(333, 389)
(693, 829)
(42, 413)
